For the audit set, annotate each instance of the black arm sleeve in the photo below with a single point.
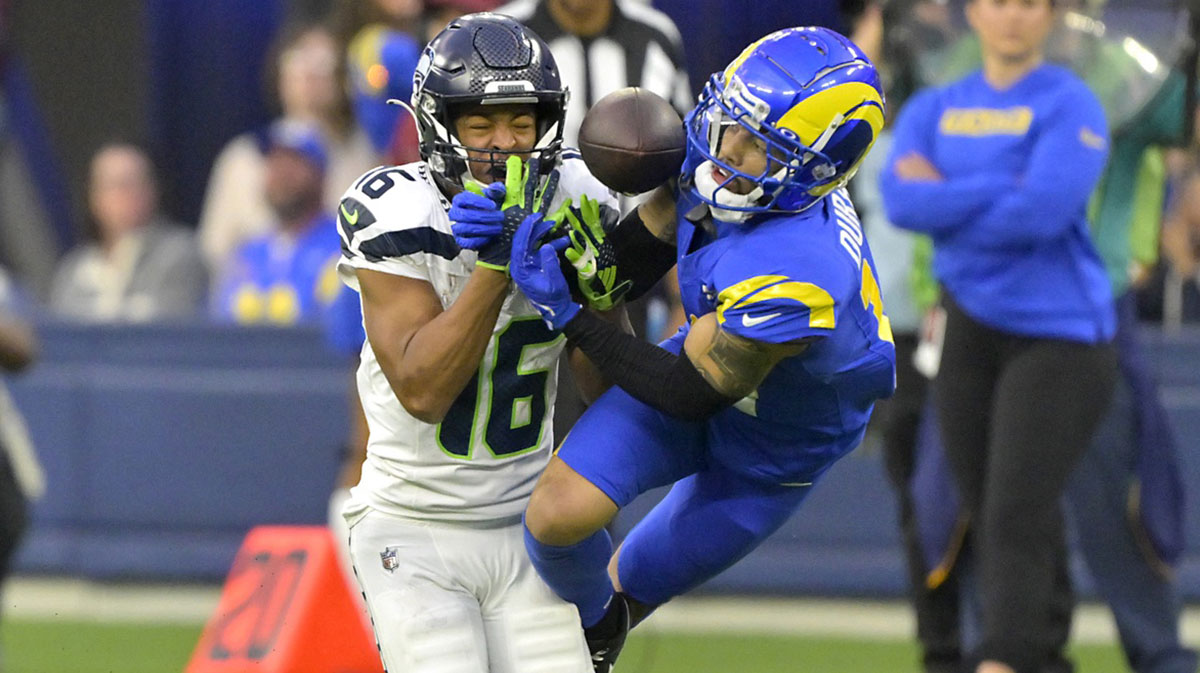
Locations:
(665, 381)
(641, 257)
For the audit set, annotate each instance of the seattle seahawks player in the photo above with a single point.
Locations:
(774, 379)
(457, 375)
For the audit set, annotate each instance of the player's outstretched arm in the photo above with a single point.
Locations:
(590, 381)
(734, 366)
(428, 354)
(658, 213)
(716, 370)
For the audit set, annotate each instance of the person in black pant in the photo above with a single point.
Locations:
(1016, 414)
(997, 168)
(936, 607)
(20, 475)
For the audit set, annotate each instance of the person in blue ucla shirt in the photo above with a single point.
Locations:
(997, 168)
(289, 275)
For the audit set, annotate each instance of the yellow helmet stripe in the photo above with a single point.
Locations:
(855, 100)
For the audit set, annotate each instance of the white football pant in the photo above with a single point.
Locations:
(450, 599)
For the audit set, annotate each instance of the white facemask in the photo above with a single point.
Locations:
(707, 185)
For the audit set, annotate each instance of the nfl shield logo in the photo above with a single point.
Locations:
(388, 557)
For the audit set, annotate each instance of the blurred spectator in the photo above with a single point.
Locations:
(1178, 293)
(288, 275)
(1125, 495)
(382, 49)
(21, 478)
(27, 236)
(901, 262)
(309, 87)
(977, 165)
(141, 267)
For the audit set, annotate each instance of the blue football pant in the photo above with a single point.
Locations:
(712, 516)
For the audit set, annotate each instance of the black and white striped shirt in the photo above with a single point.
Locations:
(640, 47)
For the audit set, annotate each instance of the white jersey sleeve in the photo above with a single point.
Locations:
(392, 219)
(575, 180)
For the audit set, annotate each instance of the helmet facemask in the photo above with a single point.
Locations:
(481, 60)
(789, 161)
(812, 103)
(448, 156)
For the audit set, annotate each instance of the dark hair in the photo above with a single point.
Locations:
(289, 36)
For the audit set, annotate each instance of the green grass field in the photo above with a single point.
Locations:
(86, 647)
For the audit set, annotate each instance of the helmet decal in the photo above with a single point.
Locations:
(810, 99)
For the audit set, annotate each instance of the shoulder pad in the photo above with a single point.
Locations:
(393, 211)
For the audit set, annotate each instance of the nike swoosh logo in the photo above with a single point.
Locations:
(751, 322)
(350, 219)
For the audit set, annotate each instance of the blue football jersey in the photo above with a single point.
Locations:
(280, 279)
(786, 278)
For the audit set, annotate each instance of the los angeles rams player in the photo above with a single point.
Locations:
(787, 351)
(457, 375)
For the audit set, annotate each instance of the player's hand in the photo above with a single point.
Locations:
(535, 270)
(522, 198)
(593, 257)
(475, 215)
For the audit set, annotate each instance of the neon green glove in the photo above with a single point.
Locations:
(522, 197)
(593, 256)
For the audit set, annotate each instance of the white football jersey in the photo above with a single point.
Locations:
(480, 463)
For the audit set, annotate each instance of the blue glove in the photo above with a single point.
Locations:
(475, 215)
(535, 270)
(489, 229)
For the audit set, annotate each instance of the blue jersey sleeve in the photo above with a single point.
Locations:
(343, 324)
(774, 307)
(381, 63)
(935, 208)
(1062, 172)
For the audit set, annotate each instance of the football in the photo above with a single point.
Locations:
(632, 140)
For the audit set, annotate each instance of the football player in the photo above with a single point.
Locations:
(457, 375)
(774, 379)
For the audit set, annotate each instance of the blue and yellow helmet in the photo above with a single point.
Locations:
(813, 102)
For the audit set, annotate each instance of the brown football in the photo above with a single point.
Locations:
(632, 140)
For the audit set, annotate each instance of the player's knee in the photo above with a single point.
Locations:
(565, 508)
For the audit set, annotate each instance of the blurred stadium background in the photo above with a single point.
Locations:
(164, 444)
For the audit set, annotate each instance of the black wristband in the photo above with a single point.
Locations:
(641, 257)
(665, 381)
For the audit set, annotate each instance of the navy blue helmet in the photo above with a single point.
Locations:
(482, 59)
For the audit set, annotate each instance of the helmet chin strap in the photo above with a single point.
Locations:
(708, 187)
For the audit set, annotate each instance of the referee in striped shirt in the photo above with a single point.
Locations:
(604, 45)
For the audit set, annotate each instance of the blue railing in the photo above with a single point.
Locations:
(164, 445)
